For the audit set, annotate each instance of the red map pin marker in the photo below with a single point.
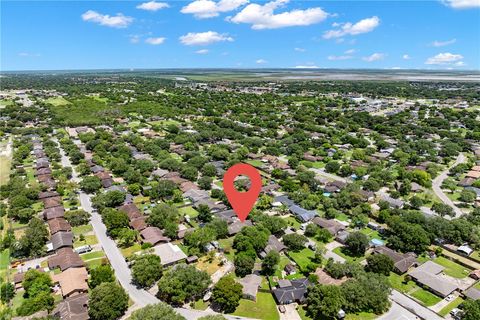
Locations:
(242, 202)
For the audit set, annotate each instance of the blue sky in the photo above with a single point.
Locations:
(56, 35)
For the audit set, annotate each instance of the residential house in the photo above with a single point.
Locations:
(72, 308)
(273, 244)
(153, 235)
(58, 224)
(62, 239)
(428, 276)
(64, 259)
(237, 226)
(72, 281)
(52, 202)
(250, 285)
(169, 254)
(302, 214)
(472, 293)
(289, 291)
(139, 224)
(131, 210)
(402, 261)
(54, 212)
(332, 226)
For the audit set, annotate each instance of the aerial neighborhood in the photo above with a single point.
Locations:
(113, 206)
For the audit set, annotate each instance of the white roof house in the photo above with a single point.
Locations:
(169, 253)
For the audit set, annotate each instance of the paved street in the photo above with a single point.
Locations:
(397, 312)
(437, 182)
(320, 173)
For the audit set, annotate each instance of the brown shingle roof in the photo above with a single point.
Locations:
(52, 202)
(58, 224)
(131, 210)
(331, 225)
(62, 239)
(47, 194)
(73, 308)
(153, 235)
(64, 259)
(139, 224)
(53, 213)
(72, 281)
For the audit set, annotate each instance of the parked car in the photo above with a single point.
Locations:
(282, 309)
(83, 249)
(450, 297)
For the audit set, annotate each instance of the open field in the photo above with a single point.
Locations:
(5, 161)
(57, 101)
(453, 269)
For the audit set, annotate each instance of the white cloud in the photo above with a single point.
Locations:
(344, 57)
(446, 58)
(300, 49)
(462, 4)
(28, 54)
(443, 43)
(117, 21)
(203, 9)
(155, 41)
(261, 61)
(306, 67)
(351, 51)
(374, 57)
(406, 57)
(203, 38)
(362, 26)
(153, 6)
(202, 51)
(263, 16)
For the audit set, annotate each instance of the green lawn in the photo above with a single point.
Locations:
(371, 234)
(361, 316)
(344, 254)
(255, 163)
(94, 263)
(265, 308)
(426, 297)
(4, 259)
(227, 244)
(397, 282)
(57, 101)
(127, 252)
(188, 211)
(92, 255)
(449, 307)
(453, 269)
(82, 229)
(292, 221)
(342, 217)
(17, 300)
(201, 305)
(302, 258)
(89, 239)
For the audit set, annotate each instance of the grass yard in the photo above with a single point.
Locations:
(398, 282)
(57, 101)
(82, 229)
(449, 307)
(5, 164)
(17, 301)
(371, 234)
(344, 254)
(209, 267)
(292, 221)
(265, 308)
(127, 252)
(92, 255)
(453, 269)
(361, 316)
(89, 239)
(281, 265)
(188, 211)
(255, 163)
(201, 305)
(426, 297)
(302, 258)
(94, 263)
(226, 245)
(4, 259)
(342, 217)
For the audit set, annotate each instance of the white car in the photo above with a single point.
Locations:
(450, 297)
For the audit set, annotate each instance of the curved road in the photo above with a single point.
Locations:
(437, 183)
(140, 297)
